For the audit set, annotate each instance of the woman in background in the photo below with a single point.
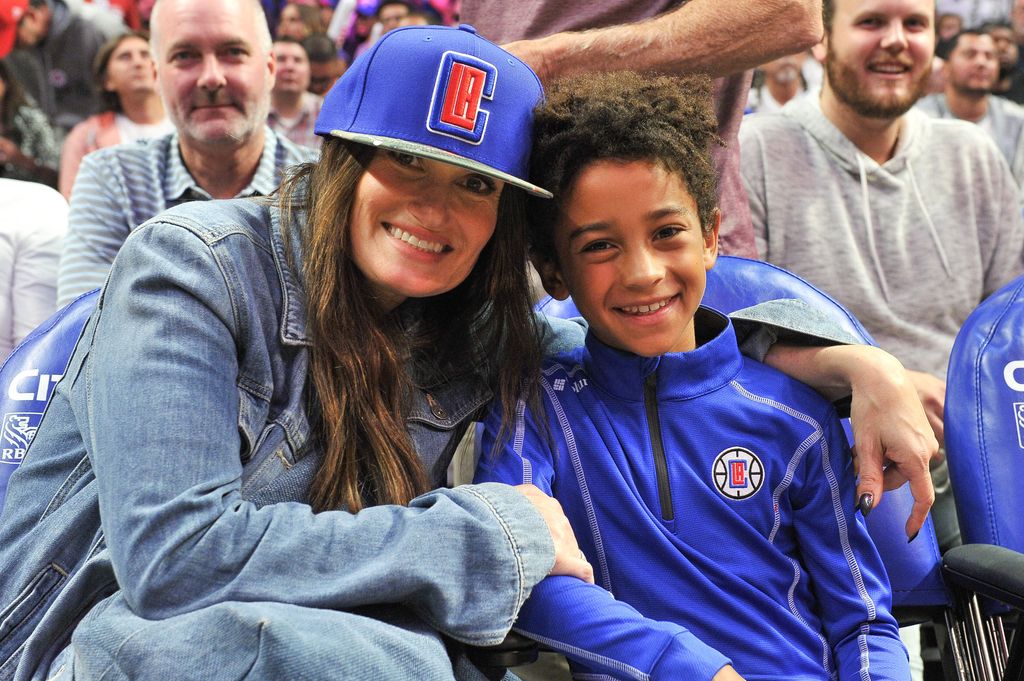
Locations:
(123, 73)
(28, 147)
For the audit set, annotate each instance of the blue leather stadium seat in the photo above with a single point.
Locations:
(985, 446)
(28, 376)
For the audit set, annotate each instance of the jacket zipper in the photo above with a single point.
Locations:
(654, 430)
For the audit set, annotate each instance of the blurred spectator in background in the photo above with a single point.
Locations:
(128, 10)
(971, 70)
(947, 26)
(359, 28)
(35, 219)
(298, 21)
(390, 15)
(974, 12)
(1009, 83)
(420, 17)
(28, 147)
(326, 9)
(324, 65)
(293, 109)
(57, 41)
(123, 73)
(777, 82)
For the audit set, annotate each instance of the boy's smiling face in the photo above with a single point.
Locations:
(632, 254)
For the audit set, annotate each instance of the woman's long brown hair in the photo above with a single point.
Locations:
(364, 363)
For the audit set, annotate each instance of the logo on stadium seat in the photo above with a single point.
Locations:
(16, 433)
(1018, 415)
(30, 385)
(1010, 372)
(737, 473)
(462, 83)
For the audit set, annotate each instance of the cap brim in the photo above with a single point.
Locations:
(436, 154)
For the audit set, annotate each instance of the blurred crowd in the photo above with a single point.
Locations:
(78, 76)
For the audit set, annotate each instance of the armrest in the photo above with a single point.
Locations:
(992, 571)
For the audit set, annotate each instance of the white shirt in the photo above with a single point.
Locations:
(130, 131)
(35, 219)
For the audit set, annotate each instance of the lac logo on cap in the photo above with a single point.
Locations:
(462, 83)
(441, 93)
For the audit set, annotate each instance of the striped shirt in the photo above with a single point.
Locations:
(120, 187)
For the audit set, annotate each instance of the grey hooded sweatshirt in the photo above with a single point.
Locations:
(910, 246)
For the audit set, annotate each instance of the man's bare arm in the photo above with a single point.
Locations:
(706, 36)
(890, 426)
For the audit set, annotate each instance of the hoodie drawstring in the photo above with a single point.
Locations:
(931, 225)
(872, 249)
(932, 231)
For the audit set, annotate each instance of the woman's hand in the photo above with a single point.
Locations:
(727, 673)
(569, 560)
(890, 425)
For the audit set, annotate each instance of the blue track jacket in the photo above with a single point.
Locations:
(714, 497)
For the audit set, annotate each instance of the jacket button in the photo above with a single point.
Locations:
(436, 409)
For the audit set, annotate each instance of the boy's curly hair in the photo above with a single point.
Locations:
(621, 116)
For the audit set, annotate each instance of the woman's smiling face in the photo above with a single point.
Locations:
(418, 226)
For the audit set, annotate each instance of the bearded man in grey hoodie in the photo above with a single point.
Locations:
(908, 221)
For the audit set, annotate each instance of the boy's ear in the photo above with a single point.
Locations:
(550, 276)
(711, 241)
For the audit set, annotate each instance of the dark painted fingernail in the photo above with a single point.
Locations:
(865, 503)
(913, 536)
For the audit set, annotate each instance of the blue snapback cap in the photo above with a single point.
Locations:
(442, 93)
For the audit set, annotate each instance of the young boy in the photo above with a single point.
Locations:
(711, 494)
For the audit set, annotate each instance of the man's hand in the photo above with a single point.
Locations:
(569, 560)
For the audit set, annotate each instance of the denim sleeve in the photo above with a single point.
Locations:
(580, 620)
(98, 223)
(157, 401)
(847, 575)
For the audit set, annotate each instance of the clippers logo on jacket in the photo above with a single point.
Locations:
(462, 83)
(737, 473)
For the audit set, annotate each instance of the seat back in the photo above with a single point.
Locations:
(736, 283)
(28, 376)
(985, 420)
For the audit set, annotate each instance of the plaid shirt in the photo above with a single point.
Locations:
(300, 130)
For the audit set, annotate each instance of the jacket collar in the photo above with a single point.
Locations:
(289, 269)
(680, 375)
(178, 181)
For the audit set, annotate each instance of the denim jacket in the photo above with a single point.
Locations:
(202, 324)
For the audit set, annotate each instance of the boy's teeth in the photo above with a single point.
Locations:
(421, 244)
(642, 309)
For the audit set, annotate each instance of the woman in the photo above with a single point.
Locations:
(240, 453)
(28, 147)
(132, 109)
(299, 21)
